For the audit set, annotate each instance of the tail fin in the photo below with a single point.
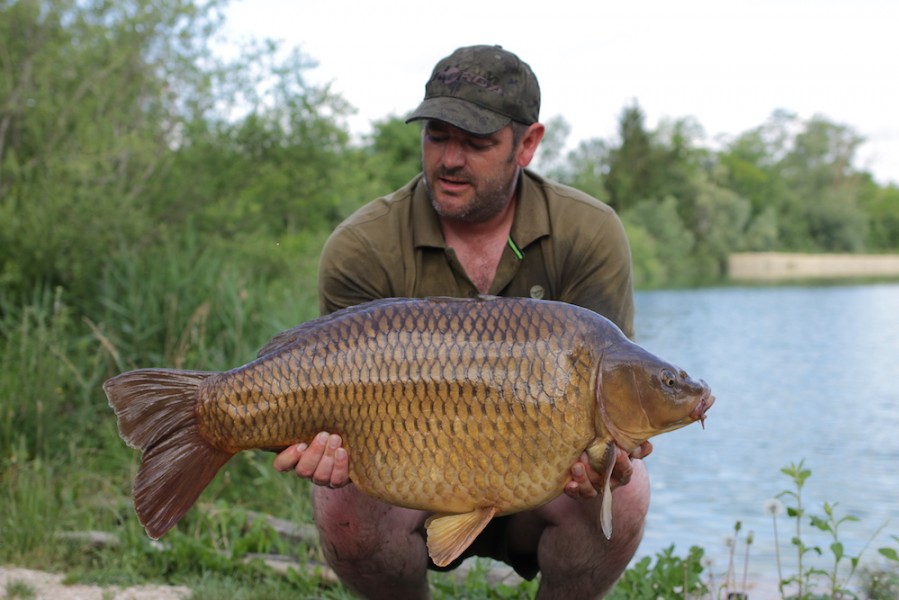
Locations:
(156, 414)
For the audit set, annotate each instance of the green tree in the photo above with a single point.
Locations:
(93, 95)
(746, 171)
(630, 176)
(278, 169)
(586, 167)
(761, 232)
(395, 149)
(680, 165)
(799, 177)
(819, 172)
(720, 220)
(665, 243)
(882, 207)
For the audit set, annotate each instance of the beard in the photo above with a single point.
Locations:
(491, 195)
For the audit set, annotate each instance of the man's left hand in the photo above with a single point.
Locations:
(587, 482)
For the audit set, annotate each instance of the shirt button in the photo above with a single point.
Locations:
(537, 292)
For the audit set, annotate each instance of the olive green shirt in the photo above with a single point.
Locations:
(568, 246)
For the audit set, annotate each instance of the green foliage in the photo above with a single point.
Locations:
(394, 153)
(664, 247)
(585, 169)
(51, 372)
(882, 583)
(62, 465)
(203, 306)
(670, 576)
(843, 566)
(478, 584)
(632, 174)
(720, 217)
(882, 207)
(648, 264)
(19, 590)
(280, 169)
(801, 174)
(88, 113)
(207, 556)
(30, 512)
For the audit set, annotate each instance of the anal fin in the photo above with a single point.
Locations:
(450, 535)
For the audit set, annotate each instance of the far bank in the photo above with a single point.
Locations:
(782, 266)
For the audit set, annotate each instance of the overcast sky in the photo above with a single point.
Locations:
(727, 63)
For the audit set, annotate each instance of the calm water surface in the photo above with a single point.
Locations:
(799, 373)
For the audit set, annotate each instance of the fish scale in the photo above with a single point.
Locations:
(465, 408)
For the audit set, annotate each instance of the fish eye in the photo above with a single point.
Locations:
(668, 377)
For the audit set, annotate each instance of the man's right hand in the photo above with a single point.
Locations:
(324, 461)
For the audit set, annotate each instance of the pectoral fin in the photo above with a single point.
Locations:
(450, 535)
(602, 456)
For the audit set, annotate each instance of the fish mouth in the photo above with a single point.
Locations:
(705, 403)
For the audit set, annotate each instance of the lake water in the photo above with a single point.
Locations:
(799, 373)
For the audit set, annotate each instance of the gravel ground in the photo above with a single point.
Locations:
(49, 586)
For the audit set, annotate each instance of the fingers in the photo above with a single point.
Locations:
(587, 483)
(287, 459)
(642, 451)
(624, 468)
(331, 468)
(323, 461)
(622, 471)
(582, 480)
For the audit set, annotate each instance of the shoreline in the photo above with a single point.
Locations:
(785, 266)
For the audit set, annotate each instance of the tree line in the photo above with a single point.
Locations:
(122, 131)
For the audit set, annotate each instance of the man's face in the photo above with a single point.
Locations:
(470, 178)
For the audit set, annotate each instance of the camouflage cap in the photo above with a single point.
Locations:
(480, 89)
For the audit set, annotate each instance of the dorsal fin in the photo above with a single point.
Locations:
(289, 336)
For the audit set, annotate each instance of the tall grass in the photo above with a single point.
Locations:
(189, 305)
(183, 304)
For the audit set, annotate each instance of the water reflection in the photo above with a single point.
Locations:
(799, 372)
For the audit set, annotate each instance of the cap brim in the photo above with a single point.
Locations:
(460, 113)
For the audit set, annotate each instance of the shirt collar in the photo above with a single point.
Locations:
(532, 216)
(426, 232)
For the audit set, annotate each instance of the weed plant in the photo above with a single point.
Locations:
(836, 577)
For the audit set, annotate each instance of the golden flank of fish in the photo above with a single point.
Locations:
(466, 408)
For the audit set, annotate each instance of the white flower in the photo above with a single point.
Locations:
(774, 507)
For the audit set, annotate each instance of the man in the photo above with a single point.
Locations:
(475, 222)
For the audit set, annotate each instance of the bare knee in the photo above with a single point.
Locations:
(348, 523)
(376, 549)
(576, 559)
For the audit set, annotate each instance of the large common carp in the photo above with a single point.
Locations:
(467, 408)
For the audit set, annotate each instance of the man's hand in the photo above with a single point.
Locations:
(587, 483)
(324, 461)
